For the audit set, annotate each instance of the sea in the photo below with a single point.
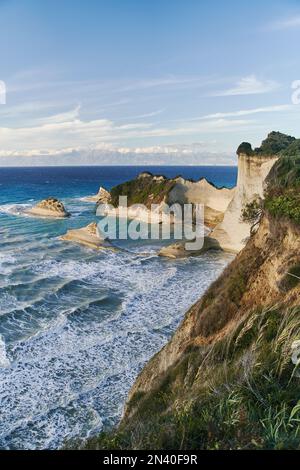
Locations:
(77, 325)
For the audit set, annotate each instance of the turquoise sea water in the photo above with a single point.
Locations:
(76, 326)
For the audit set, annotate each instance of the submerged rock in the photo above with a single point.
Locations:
(50, 207)
(178, 250)
(89, 236)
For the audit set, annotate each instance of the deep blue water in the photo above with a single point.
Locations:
(19, 183)
(76, 326)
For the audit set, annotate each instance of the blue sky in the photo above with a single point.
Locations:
(131, 81)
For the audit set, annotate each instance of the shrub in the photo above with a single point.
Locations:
(275, 143)
(245, 148)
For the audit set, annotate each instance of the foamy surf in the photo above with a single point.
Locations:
(4, 361)
(15, 209)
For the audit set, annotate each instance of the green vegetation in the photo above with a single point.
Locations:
(245, 148)
(284, 205)
(142, 190)
(282, 197)
(274, 144)
(242, 393)
(252, 212)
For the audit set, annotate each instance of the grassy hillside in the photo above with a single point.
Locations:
(244, 394)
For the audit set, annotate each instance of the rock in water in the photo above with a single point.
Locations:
(178, 250)
(89, 236)
(50, 207)
(102, 197)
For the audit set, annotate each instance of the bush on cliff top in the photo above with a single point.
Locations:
(282, 196)
(245, 148)
(144, 190)
(275, 143)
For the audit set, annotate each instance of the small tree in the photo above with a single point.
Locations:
(251, 213)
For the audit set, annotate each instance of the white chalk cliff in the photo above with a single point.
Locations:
(215, 200)
(232, 233)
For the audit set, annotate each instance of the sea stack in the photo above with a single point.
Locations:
(89, 236)
(50, 207)
(102, 197)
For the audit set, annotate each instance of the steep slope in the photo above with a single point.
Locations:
(256, 279)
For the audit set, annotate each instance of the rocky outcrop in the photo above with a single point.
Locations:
(253, 169)
(102, 197)
(148, 189)
(233, 232)
(215, 200)
(178, 250)
(89, 236)
(50, 207)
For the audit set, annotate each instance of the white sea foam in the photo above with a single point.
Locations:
(15, 209)
(4, 361)
(67, 269)
(7, 261)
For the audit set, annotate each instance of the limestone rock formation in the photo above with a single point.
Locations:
(50, 207)
(215, 200)
(253, 169)
(102, 196)
(89, 236)
(232, 232)
(148, 189)
(178, 250)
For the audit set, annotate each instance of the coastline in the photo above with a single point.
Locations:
(86, 309)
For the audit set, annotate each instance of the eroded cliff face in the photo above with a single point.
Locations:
(215, 200)
(148, 189)
(261, 276)
(232, 232)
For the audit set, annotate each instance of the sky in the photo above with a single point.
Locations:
(145, 82)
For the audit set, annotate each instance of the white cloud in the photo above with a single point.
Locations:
(143, 116)
(249, 86)
(67, 129)
(292, 22)
(67, 116)
(248, 112)
(168, 81)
